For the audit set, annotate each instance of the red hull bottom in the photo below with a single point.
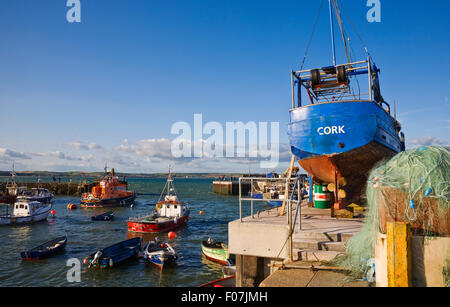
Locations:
(146, 227)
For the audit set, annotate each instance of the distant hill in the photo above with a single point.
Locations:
(130, 175)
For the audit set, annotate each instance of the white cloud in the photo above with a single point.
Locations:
(151, 148)
(428, 141)
(10, 154)
(83, 146)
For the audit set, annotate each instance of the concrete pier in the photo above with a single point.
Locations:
(69, 189)
(229, 187)
(262, 241)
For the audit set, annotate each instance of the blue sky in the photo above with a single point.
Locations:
(74, 95)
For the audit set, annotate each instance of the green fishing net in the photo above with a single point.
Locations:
(413, 187)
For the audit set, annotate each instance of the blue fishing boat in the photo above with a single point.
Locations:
(343, 131)
(115, 254)
(45, 250)
(107, 216)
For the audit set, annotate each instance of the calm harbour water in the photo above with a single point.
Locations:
(86, 237)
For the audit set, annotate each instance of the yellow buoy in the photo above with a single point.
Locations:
(331, 187)
(356, 208)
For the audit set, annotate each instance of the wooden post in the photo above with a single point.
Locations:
(399, 260)
(286, 193)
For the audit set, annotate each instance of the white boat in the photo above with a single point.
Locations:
(26, 212)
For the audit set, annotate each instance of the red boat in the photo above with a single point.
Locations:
(227, 282)
(169, 213)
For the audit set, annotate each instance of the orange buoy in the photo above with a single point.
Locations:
(201, 212)
(53, 212)
(171, 235)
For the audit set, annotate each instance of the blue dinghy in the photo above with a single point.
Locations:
(107, 216)
(45, 250)
(115, 254)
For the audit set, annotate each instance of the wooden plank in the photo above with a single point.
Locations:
(399, 260)
(286, 193)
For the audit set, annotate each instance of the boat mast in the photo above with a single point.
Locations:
(333, 48)
(13, 176)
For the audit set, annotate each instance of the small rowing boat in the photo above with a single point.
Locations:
(216, 252)
(106, 216)
(221, 283)
(114, 254)
(160, 254)
(45, 250)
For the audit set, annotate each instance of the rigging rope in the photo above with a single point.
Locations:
(354, 28)
(312, 34)
(341, 26)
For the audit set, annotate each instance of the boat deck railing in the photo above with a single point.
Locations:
(293, 186)
(332, 84)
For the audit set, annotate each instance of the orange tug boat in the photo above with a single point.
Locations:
(111, 192)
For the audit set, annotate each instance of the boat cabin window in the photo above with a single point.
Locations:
(175, 206)
(21, 206)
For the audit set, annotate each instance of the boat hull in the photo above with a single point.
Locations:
(107, 203)
(276, 203)
(116, 254)
(152, 227)
(227, 282)
(342, 139)
(218, 255)
(36, 254)
(162, 261)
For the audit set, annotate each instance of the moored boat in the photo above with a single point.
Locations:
(344, 131)
(37, 194)
(106, 216)
(216, 252)
(114, 254)
(111, 192)
(169, 213)
(45, 250)
(227, 282)
(25, 212)
(160, 254)
(13, 190)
